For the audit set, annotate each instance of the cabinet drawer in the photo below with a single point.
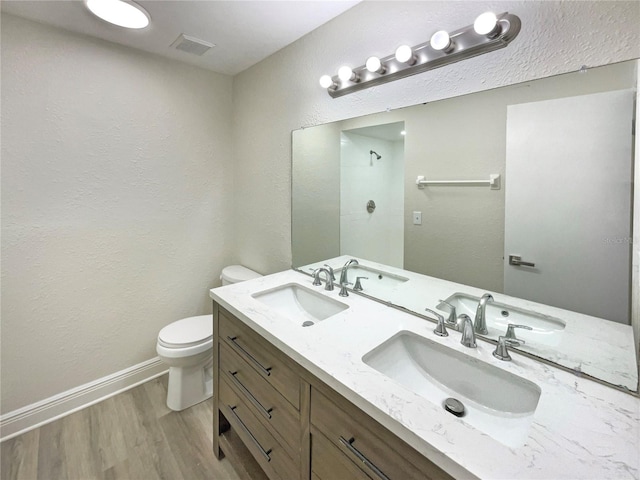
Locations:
(271, 456)
(267, 404)
(329, 463)
(378, 452)
(261, 356)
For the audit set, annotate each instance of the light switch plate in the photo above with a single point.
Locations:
(417, 218)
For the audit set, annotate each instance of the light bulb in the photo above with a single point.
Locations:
(441, 41)
(123, 14)
(326, 81)
(345, 73)
(404, 54)
(487, 24)
(374, 65)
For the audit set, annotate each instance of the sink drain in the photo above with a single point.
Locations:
(454, 406)
(307, 323)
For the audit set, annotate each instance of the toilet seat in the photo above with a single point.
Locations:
(188, 332)
(186, 337)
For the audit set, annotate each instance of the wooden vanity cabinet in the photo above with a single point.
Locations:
(276, 420)
(353, 434)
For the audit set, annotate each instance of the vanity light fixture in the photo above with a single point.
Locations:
(487, 24)
(327, 82)
(346, 74)
(488, 33)
(374, 65)
(404, 54)
(441, 41)
(118, 12)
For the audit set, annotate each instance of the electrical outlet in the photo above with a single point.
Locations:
(417, 218)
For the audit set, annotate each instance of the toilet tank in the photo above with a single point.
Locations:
(237, 273)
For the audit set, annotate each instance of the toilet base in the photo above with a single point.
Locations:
(189, 386)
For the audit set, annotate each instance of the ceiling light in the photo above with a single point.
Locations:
(119, 12)
(487, 24)
(441, 41)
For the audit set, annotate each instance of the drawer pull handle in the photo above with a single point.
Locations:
(362, 458)
(265, 453)
(265, 371)
(249, 395)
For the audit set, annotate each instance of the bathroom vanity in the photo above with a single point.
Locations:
(338, 398)
(293, 423)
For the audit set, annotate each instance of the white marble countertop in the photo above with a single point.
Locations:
(581, 429)
(591, 345)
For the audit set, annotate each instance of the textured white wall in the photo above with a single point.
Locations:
(116, 189)
(281, 93)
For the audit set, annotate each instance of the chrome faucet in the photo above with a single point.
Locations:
(480, 322)
(343, 274)
(316, 278)
(358, 286)
(440, 329)
(502, 352)
(511, 335)
(468, 335)
(333, 277)
(452, 318)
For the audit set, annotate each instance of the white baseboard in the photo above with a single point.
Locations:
(55, 407)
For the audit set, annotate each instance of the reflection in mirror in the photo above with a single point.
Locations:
(563, 147)
(372, 192)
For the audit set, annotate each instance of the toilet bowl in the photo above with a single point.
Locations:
(186, 346)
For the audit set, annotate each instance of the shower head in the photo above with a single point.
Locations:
(378, 157)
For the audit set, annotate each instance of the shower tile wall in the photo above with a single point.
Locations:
(377, 236)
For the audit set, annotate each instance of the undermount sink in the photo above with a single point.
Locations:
(377, 280)
(300, 304)
(545, 330)
(495, 401)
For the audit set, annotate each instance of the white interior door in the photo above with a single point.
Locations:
(568, 196)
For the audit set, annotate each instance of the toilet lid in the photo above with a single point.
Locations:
(187, 332)
(238, 273)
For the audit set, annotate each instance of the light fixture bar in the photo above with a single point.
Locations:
(465, 43)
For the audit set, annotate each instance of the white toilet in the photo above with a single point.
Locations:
(186, 346)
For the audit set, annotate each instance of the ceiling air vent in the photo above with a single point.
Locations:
(192, 45)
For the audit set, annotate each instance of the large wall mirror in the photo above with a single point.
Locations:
(563, 148)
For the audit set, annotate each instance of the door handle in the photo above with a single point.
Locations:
(516, 260)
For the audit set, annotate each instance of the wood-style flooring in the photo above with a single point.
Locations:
(132, 435)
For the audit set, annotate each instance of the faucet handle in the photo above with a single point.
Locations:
(358, 286)
(511, 335)
(502, 352)
(452, 318)
(440, 329)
